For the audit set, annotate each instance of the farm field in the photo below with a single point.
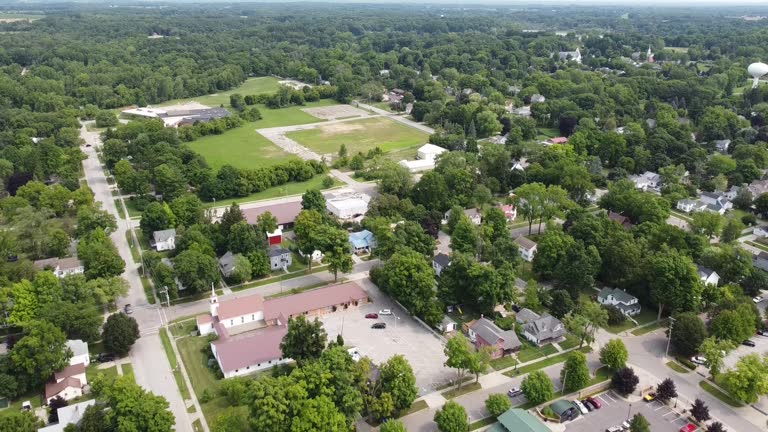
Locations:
(360, 136)
(250, 86)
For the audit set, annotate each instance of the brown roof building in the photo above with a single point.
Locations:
(285, 213)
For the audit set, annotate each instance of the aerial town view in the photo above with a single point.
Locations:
(383, 215)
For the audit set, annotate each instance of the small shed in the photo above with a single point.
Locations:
(447, 325)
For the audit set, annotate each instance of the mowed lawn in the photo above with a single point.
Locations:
(251, 86)
(360, 136)
(290, 116)
(241, 147)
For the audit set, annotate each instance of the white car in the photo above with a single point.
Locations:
(757, 299)
(580, 406)
(385, 312)
(514, 391)
(699, 360)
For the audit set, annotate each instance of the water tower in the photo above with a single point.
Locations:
(757, 70)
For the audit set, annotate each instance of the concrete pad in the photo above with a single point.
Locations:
(434, 400)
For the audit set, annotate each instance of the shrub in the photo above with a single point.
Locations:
(615, 317)
(497, 404)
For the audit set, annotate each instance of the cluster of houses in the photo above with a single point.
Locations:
(179, 118)
(250, 329)
(70, 382)
(61, 267)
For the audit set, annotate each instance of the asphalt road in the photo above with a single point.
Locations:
(150, 365)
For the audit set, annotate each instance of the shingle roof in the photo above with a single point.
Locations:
(258, 347)
(520, 420)
(240, 306)
(361, 239)
(704, 272)
(442, 260)
(526, 315)
(69, 371)
(315, 299)
(619, 295)
(77, 346)
(62, 263)
(284, 213)
(544, 328)
(491, 333)
(227, 262)
(277, 251)
(525, 242)
(54, 388)
(164, 235)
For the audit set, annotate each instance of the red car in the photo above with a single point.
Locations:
(372, 316)
(595, 402)
(688, 428)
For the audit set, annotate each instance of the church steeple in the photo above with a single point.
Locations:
(214, 302)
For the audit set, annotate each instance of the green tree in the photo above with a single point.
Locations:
(700, 411)
(266, 222)
(761, 204)
(497, 404)
(99, 256)
(464, 237)
(748, 380)
(20, 421)
(398, 380)
(734, 325)
(188, 210)
(313, 199)
(537, 387)
(129, 407)
(39, 353)
(532, 300)
(639, 424)
(614, 354)
(78, 321)
(673, 281)
(732, 230)
(530, 202)
(560, 304)
(409, 279)
(666, 390)
(452, 418)
(707, 223)
(260, 265)
(120, 333)
(243, 239)
(575, 372)
(688, 332)
(392, 426)
(305, 339)
(625, 381)
(715, 351)
(89, 218)
(459, 352)
(195, 270)
(242, 271)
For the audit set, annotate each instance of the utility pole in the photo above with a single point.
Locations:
(669, 339)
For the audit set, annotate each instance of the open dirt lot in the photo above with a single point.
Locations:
(334, 112)
(403, 335)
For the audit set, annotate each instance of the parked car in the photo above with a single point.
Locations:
(588, 405)
(105, 357)
(385, 312)
(757, 299)
(748, 343)
(613, 429)
(87, 145)
(762, 332)
(514, 391)
(516, 308)
(650, 396)
(379, 325)
(594, 401)
(128, 309)
(625, 426)
(699, 360)
(371, 316)
(688, 428)
(580, 406)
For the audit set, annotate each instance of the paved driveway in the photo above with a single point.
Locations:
(403, 335)
(615, 410)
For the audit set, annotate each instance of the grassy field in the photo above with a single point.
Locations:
(174, 364)
(287, 189)
(570, 341)
(360, 136)
(241, 147)
(201, 377)
(20, 16)
(128, 371)
(644, 317)
(291, 115)
(249, 87)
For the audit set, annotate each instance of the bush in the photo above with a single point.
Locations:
(505, 323)
(615, 317)
(547, 412)
(685, 362)
(749, 219)
(497, 404)
(206, 396)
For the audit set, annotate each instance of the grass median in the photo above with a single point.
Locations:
(543, 363)
(716, 392)
(174, 364)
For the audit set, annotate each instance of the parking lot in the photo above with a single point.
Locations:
(403, 335)
(615, 410)
(761, 347)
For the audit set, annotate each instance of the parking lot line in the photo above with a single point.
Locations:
(604, 400)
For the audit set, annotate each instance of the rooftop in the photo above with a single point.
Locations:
(259, 346)
(284, 213)
(492, 334)
(77, 347)
(620, 295)
(311, 300)
(240, 306)
(519, 420)
(69, 371)
(54, 388)
(62, 263)
(442, 259)
(277, 251)
(164, 235)
(70, 414)
(525, 242)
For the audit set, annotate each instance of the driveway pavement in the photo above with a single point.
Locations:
(150, 365)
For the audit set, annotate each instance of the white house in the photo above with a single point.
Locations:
(164, 240)
(570, 55)
(689, 205)
(80, 353)
(714, 202)
(440, 262)
(429, 152)
(279, 257)
(646, 180)
(67, 383)
(722, 145)
(527, 248)
(760, 231)
(61, 267)
(447, 325)
(473, 214)
(708, 276)
(347, 205)
(623, 301)
(510, 212)
(70, 414)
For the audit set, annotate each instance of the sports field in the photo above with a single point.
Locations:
(360, 136)
(290, 116)
(249, 87)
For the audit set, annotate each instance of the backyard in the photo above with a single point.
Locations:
(360, 136)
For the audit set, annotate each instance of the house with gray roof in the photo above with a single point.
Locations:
(527, 248)
(621, 300)
(485, 332)
(761, 260)
(440, 262)
(526, 315)
(164, 240)
(707, 275)
(279, 257)
(544, 329)
(227, 264)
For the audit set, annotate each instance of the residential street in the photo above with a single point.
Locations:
(151, 367)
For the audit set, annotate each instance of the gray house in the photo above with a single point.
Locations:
(227, 264)
(540, 329)
(440, 262)
(279, 257)
(623, 301)
(485, 333)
